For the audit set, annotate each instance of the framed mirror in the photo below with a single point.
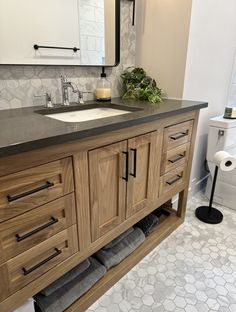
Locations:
(60, 32)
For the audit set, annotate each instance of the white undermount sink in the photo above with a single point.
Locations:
(88, 114)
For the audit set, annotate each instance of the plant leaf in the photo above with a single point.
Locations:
(140, 86)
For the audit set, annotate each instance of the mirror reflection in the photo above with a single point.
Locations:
(58, 32)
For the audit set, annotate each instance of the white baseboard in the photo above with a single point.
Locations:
(196, 186)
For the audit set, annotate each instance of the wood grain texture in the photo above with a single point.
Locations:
(81, 177)
(65, 241)
(62, 209)
(173, 179)
(107, 188)
(175, 157)
(175, 130)
(143, 188)
(4, 282)
(58, 172)
(183, 196)
(2, 256)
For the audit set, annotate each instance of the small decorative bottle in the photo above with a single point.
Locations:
(103, 90)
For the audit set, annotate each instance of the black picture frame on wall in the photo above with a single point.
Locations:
(117, 46)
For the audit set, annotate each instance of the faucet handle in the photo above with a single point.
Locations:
(81, 96)
(63, 78)
(48, 99)
(86, 92)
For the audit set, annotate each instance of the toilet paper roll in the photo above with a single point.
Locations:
(225, 161)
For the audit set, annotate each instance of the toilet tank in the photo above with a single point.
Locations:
(222, 136)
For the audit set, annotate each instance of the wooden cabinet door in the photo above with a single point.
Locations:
(107, 171)
(144, 168)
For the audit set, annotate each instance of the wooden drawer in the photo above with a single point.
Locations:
(172, 179)
(173, 158)
(34, 187)
(177, 135)
(31, 264)
(31, 228)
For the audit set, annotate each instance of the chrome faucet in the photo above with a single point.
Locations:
(48, 99)
(65, 94)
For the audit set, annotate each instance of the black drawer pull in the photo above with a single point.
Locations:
(36, 266)
(174, 180)
(39, 229)
(126, 178)
(40, 188)
(134, 174)
(177, 158)
(178, 136)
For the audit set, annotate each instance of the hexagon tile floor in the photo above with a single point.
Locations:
(194, 269)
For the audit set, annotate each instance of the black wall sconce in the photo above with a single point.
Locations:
(133, 18)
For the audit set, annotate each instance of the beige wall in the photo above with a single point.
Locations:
(162, 41)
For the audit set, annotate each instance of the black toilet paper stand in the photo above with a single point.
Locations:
(209, 214)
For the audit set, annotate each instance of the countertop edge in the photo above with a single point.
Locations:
(64, 138)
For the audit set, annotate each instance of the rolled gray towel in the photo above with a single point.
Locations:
(66, 278)
(113, 256)
(148, 224)
(63, 297)
(118, 239)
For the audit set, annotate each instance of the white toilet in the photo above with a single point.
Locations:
(222, 137)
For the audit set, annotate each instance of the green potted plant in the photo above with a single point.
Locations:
(139, 86)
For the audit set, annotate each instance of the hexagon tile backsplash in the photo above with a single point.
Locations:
(18, 84)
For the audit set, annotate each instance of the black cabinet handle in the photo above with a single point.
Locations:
(174, 180)
(40, 188)
(36, 266)
(178, 136)
(39, 229)
(134, 150)
(178, 157)
(126, 178)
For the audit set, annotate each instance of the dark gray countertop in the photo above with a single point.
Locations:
(24, 129)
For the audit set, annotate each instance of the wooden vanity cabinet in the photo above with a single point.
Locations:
(143, 184)
(38, 227)
(36, 261)
(107, 186)
(33, 227)
(175, 156)
(30, 188)
(123, 180)
(99, 187)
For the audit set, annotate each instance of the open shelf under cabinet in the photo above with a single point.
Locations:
(167, 224)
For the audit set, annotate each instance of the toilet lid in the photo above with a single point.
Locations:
(222, 122)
